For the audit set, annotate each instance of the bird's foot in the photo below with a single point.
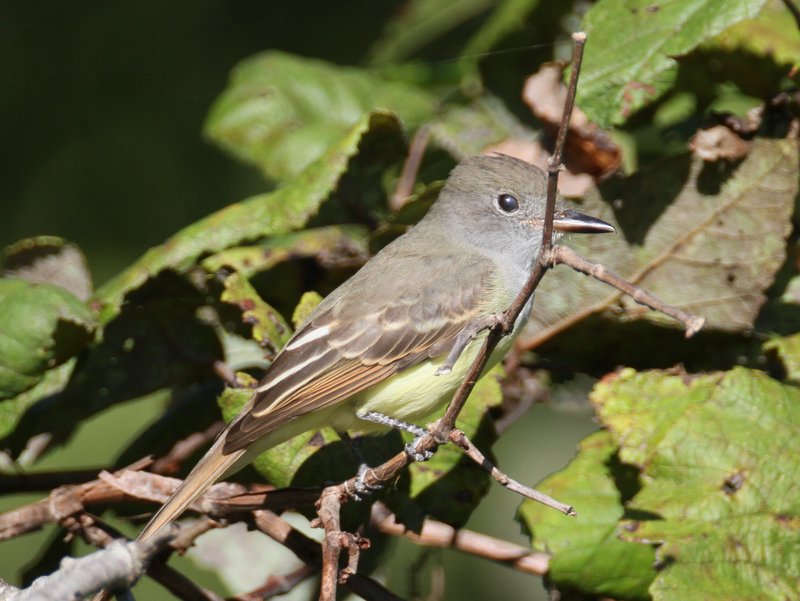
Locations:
(391, 422)
(362, 488)
(412, 450)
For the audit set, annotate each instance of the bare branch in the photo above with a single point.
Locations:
(183, 449)
(567, 256)
(465, 444)
(44, 481)
(328, 511)
(405, 185)
(438, 534)
(119, 565)
(278, 584)
(308, 550)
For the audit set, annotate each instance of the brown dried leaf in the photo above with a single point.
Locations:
(704, 239)
(718, 143)
(589, 149)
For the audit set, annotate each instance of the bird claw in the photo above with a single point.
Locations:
(362, 489)
(411, 448)
(414, 453)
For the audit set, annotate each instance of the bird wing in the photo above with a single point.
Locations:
(351, 343)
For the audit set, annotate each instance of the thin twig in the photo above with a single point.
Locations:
(226, 374)
(567, 256)
(328, 511)
(405, 185)
(470, 450)
(308, 550)
(441, 430)
(183, 449)
(438, 534)
(278, 584)
(44, 481)
(554, 163)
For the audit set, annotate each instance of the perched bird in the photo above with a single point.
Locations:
(396, 339)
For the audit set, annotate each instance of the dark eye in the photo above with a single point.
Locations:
(507, 203)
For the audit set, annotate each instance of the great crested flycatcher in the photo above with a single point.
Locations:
(377, 344)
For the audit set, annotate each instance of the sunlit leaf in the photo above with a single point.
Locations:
(282, 112)
(772, 33)
(587, 554)
(278, 212)
(718, 455)
(632, 46)
(41, 326)
(269, 328)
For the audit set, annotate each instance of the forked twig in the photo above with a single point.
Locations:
(438, 534)
(566, 256)
(461, 440)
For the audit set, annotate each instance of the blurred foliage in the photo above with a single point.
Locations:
(671, 494)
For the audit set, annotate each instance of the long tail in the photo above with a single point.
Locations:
(213, 466)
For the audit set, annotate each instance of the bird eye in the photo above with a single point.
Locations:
(507, 203)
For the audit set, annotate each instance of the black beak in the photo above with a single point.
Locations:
(573, 222)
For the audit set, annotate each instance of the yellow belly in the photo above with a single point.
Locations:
(417, 392)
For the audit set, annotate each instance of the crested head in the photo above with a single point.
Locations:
(495, 203)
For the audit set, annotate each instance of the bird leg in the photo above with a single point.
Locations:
(465, 336)
(397, 424)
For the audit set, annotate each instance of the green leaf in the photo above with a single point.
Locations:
(269, 328)
(278, 212)
(509, 16)
(788, 350)
(308, 302)
(587, 554)
(41, 326)
(464, 131)
(52, 382)
(281, 112)
(48, 260)
(632, 46)
(718, 455)
(329, 245)
(157, 341)
(708, 239)
(772, 33)
(421, 22)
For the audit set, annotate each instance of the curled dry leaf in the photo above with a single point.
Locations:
(589, 149)
(718, 143)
